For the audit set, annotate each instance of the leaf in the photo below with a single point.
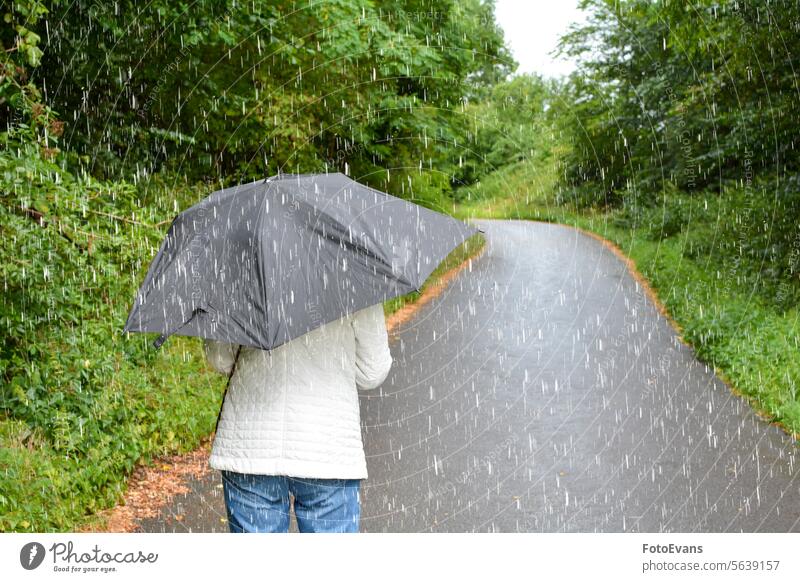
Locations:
(33, 55)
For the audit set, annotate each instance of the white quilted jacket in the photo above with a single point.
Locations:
(294, 411)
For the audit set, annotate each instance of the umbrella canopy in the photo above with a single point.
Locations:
(262, 263)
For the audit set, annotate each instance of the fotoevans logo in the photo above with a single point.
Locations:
(31, 555)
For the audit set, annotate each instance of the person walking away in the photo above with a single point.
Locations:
(290, 423)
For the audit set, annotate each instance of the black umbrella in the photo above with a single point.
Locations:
(262, 263)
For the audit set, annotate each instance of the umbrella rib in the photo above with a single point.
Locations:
(164, 336)
(260, 262)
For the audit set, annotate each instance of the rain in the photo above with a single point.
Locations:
(249, 245)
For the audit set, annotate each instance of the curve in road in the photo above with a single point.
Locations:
(545, 392)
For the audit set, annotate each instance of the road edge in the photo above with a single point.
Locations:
(633, 270)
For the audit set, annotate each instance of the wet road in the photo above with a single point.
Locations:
(543, 392)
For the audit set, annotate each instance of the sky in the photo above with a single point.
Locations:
(532, 29)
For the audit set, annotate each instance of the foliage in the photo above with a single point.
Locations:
(694, 98)
(228, 90)
(79, 403)
(506, 125)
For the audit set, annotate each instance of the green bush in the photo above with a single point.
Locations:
(80, 404)
(54, 484)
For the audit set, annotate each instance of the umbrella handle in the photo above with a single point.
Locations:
(225, 393)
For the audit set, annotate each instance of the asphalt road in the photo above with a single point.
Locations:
(543, 392)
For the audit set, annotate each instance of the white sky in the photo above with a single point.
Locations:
(532, 29)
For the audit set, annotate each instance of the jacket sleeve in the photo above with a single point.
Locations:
(220, 355)
(373, 358)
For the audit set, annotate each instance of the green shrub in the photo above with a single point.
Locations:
(82, 404)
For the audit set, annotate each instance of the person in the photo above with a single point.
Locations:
(290, 424)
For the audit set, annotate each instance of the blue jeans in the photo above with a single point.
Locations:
(260, 503)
